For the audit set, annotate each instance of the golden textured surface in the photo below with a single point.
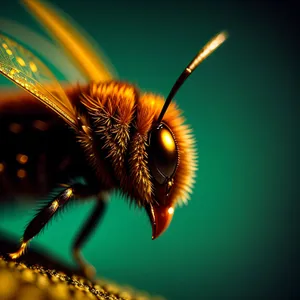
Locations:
(22, 282)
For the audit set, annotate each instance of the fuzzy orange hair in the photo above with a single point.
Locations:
(150, 107)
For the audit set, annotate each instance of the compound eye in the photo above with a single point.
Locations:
(163, 153)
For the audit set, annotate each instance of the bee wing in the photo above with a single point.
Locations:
(27, 71)
(74, 42)
(52, 54)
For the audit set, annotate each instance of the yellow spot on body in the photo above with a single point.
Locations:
(12, 72)
(32, 66)
(21, 173)
(8, 51)
(40, 125)
(54, 205)
(168, 140)
(171, 210)
(15, 127)
(69, 192)
(2, 167)
(22, 158)
(21, 61)
(4, 46)
(18, 253)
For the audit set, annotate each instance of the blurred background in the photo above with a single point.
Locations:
(234, 239)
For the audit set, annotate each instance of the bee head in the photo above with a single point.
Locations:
(171, 154)
(149, 146)
(163, 156)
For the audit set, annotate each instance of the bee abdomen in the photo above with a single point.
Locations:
(33, 156)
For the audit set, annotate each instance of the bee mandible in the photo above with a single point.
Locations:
(118, 138)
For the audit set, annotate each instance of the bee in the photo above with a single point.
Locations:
(116, 138)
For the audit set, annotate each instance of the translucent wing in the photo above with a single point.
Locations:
(51, 54)
(27, 71)
(84, 55)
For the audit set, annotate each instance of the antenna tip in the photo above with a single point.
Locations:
(222, 36)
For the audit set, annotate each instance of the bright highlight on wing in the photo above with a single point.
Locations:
(51, 53)
(74, 43)
(27, 71)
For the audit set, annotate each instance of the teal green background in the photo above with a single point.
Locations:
(233, 240)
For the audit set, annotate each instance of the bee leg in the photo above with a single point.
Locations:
(45, 215)
(85, 232)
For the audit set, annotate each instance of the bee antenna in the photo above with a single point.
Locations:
(212, 45)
